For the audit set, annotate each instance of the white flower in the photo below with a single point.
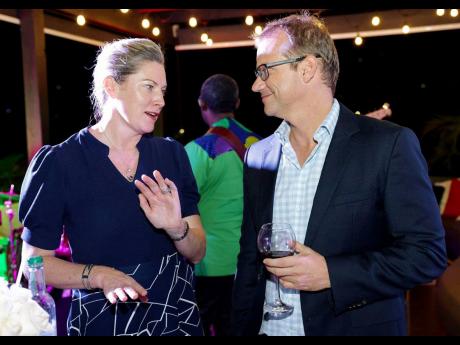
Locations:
(20, 314)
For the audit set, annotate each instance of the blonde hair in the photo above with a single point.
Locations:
(120, 59)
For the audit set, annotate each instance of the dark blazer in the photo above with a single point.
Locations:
(374, 218)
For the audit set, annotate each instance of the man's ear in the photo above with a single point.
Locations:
(203, 106)
(237, 105)
(110, 86)
(308, 68)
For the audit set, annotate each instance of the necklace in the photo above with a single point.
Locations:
(129, 174)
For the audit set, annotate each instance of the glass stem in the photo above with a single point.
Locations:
(278, 290)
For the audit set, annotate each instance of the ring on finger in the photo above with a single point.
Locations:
(165, 190)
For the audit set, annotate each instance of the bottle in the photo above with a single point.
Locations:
(39, 293)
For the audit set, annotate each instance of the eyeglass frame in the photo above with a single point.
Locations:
(269, 65)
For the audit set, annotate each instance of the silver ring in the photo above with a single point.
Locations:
(165, 190)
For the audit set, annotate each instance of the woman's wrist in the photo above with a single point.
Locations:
(181, 233)
(96, 275)
(85, 277)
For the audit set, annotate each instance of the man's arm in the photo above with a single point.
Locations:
(417, 253)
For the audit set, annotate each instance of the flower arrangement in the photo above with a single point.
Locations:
(20, 314)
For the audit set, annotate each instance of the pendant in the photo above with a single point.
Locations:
(129, 175)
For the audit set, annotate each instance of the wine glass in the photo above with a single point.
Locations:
(276, 240)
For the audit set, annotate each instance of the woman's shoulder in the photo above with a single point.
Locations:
(53, 154)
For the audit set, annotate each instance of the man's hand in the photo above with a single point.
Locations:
(381, 113)
(305, 271)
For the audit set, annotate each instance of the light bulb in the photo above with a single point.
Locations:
(375, 20)
(81, 20)
(249, 20)
(204, 37)
(192, 22)
(156, 31)
(145, 23)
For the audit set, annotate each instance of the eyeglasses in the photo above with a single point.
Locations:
(262, 70)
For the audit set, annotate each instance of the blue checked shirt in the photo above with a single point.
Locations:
(294, 193)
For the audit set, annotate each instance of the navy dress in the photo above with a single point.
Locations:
(75, 185)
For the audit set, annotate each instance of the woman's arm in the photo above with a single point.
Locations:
(160, 202)
(66, 275)
(193, 245)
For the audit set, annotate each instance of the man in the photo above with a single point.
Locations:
(216, 160)
(354, 189)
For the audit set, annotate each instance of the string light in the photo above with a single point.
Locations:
(145, 23)
(375, 21)
(358, 40)
(440, 12)
(204, 37)
(193, 22)
(454, 13)
(209, 42)
(181, 131)
(258, 30)
(124, 11)
(156, 31)
(406, 29)
(81, 20)
(249, 20)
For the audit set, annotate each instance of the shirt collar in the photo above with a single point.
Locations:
(327, 125)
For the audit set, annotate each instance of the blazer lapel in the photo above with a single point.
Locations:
(334, 165)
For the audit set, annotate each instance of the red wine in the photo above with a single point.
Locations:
(276, 254)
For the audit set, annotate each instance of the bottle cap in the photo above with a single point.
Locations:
(35, 261)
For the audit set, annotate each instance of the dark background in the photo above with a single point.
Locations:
(417, 74)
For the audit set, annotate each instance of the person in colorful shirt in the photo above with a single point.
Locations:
(216, 160)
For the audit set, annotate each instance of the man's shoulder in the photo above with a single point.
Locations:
(263, 144)
(263, 152)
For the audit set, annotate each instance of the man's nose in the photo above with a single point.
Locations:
(257, 85)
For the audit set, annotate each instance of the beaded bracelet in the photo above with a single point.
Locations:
(85, 277)
(187, 228)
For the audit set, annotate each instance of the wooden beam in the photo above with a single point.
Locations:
(35, 79)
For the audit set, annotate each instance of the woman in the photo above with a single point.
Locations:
(133, 236)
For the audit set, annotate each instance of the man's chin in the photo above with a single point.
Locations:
(271, 113)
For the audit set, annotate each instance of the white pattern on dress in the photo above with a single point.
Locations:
(150, 327)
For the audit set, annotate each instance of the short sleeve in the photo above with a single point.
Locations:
(188, 192)
(200, 162)
(41, 205)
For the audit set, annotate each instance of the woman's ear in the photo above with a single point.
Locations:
(110, 86)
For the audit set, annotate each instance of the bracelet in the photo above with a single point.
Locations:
(85, 276)
(187, 228)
